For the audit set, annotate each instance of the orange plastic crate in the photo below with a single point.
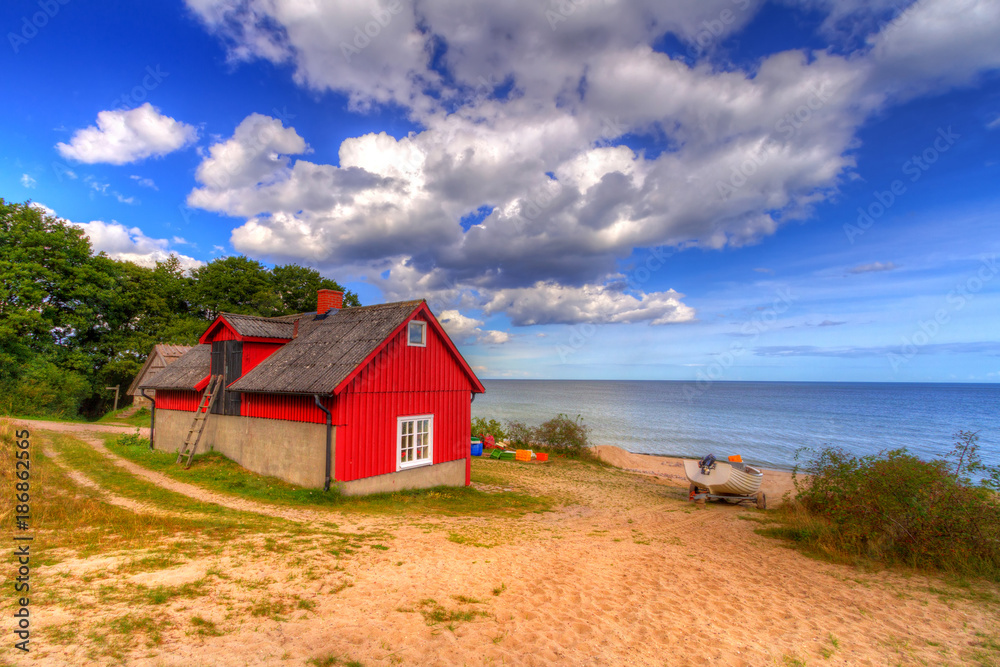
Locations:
(522, 455)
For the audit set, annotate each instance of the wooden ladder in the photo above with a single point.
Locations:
(200, 417)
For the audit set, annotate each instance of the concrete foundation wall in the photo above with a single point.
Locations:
(292, 451)
(451, 473)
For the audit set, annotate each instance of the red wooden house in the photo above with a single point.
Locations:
(372, 399)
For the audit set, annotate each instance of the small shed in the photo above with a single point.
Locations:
(370, 399)
(161, 356)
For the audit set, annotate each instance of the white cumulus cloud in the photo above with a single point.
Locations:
(549, 303)
(125, 243)
(131, 244)
(124, 136)
(467, 329)
(534, 123)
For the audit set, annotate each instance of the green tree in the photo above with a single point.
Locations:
(296, 287)
(50, 293)
(72, 322)
(234, 285)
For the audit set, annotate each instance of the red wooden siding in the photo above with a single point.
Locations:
(402, 367)
(401, 380)
(366, 431)
(279, 406)
(176, 399)
(254, 353)
(222, 332)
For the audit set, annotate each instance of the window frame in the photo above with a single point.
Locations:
(416, 463)
(423, 333)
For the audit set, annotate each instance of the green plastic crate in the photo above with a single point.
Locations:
(495, 454)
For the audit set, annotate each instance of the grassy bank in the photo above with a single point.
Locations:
(71, 518)
(893, 508)
(215, 472)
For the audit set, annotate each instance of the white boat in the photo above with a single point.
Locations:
(723, 478)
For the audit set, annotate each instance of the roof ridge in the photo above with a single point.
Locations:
(286, 318)
(385, 305)
(256, 317)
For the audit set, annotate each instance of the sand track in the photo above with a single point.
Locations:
(108, 496)
(623, 572)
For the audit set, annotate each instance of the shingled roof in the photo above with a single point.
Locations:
(184, 373)
(166, 354)
(327, 350)
(259, 327)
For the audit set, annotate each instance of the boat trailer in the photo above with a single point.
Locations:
(702, 493)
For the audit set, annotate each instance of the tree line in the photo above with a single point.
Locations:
(73, 322)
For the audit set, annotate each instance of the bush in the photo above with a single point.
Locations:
(132, 440)
(483, 427)
(893, 507)
(43, 390)
(520, 434)
(561, 436)
(564, 433)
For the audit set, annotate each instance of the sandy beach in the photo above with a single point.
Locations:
(776, 484)
(622, 570)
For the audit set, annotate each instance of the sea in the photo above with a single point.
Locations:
(764, 422)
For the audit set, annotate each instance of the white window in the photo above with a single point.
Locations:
(416, 334)
(414, 441)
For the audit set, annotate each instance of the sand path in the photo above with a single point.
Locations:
(204, 495)
(624, 571)
(79, 428)
(85, 431)
(109, 496)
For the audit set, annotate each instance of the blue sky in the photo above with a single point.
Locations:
(720, 190)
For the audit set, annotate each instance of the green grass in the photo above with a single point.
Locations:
(140, 418)
(70, 517)
(214, 471)
(435, 613)
(331, 660)
(102, 470)
(986, 650)
(163, 594)
(149, 563)
(205, 627)
(120, 635)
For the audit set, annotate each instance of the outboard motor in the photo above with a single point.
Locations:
(706, 464)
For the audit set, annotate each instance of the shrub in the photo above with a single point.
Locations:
(520, 434)
(482, 427)
(564, 433)
(43, 390)
(132, 440)
(893, 507)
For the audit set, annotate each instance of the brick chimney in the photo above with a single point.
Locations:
(327, 299)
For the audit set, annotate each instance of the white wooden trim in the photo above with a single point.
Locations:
(423, 338)
(429, 460)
